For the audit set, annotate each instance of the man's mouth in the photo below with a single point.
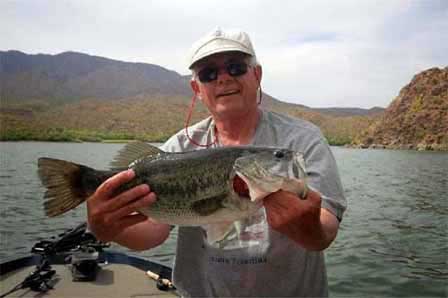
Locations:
(228, 93)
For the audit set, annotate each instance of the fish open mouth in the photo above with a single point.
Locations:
(240, 187)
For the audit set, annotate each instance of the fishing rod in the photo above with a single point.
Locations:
(38, 280)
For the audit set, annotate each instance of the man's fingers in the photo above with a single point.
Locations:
(130, 220)
(124, 211)
(109, 186)
(128, 196)
(313, 197)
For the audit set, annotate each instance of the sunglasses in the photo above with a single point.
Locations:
(234, 69)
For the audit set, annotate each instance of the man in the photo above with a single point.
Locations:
(226, 77)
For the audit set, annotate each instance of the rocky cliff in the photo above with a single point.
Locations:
(417, 118)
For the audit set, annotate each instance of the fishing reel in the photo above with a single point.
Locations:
(84, 254)
(84, 263)
(81, 249)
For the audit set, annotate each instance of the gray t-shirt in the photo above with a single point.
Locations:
(279, 268)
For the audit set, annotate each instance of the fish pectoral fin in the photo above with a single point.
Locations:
(218, 232)
(209, 205)
(294, 185)
(134, 151)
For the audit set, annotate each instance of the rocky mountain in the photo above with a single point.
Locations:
(417, 118)
(71, 76)
(77, 96)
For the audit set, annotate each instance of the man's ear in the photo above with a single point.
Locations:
(258, 74)
(194, 87)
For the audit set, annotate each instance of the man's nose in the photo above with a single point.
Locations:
(223, 75)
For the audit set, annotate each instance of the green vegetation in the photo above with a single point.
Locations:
(72, 135)
(417, 104)
(339, 140)
(148, 119)
(69, 135)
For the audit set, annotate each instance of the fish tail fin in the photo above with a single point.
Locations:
(64, 183)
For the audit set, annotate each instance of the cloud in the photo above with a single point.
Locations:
(317, 53)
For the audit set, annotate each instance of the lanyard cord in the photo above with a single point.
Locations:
(187, 122)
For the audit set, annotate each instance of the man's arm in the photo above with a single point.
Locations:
(114, 217)
(143, 235)
(304, 221)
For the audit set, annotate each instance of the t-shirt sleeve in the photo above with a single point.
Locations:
(176, 143)
(172, 145)
(323, 177)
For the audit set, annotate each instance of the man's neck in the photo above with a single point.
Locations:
(238, 130)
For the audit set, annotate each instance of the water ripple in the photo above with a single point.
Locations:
(392, 241)
(418, 265)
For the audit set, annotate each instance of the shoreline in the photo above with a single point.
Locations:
(410, 147)
(108, 141)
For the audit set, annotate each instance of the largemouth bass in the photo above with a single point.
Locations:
(193, 188)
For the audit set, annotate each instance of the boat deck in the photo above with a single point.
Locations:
(113, 280)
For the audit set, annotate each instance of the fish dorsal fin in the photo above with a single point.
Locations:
(134, 151)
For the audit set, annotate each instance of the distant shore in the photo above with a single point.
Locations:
(81, 136)
(77, 136)
(106, 141)
(417, 147)
(110, 141)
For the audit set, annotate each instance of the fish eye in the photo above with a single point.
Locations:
(279, 154)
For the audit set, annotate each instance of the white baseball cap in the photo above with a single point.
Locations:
(219, 41)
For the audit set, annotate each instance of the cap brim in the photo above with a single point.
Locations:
(217, 46)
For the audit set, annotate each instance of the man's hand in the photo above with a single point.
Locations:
(304, 221)
(109, 214)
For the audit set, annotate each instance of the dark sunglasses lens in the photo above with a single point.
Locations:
(236, 69)
(208, 74)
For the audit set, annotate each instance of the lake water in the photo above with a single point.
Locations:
(393, 241)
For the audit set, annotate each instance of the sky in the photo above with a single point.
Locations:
(356, 53)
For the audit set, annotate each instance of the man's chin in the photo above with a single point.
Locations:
(232, 110)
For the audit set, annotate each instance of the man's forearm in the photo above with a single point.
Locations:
(142, 236)
(317, 237)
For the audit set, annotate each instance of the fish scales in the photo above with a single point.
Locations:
(196, 181)
(192, 188)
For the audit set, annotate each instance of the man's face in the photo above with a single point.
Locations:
(228, 96)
